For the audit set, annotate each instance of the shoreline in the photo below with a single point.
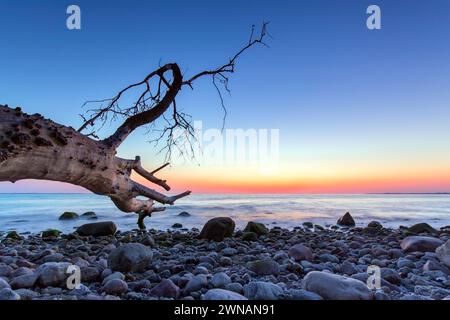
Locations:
(255, 263)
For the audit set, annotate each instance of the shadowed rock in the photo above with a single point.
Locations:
(105, 228)
(218, 228)
(346, 220)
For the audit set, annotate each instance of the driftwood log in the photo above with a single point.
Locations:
(33, 147)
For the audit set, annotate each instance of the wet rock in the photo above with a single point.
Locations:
(177, 226)
(375, 225)
(308, 224)
(90, 215)
(115, 287)
(300, 252)
(166, 288)
(443, 253)
(336, 287)
(249, 236)
(419, 243)
(13, 235)
(264, 267)
(221, 294)
(256, 227)
(50, 233)
(259, 290)
(95, 229)
(217, 229)
(346, 220)
(68, 216)
(184, 214)
(422, 228)
(130, 257)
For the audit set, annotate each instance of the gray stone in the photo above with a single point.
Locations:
(348, 268)
(300, 252)
(443, 253)
(336, 287)
(264, 267)
(419, 243)
(4, 284)
(235, 286)
(196, 283)
(390, 275)
(221, 294)
(220, 280)
(115, 287)
(52, 274)
(259, 290)
(24, 281)
(166, 288)
(130, 257)
(8, 294)
(300, 294)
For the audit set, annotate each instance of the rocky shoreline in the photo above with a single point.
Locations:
(309, 262)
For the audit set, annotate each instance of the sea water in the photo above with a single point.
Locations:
(38, 212)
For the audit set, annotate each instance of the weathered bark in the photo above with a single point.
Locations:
(32, 147)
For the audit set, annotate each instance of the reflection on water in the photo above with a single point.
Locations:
(37, 212)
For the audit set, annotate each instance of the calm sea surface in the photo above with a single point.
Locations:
(37, 212)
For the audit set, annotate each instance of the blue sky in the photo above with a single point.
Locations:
(343, 97)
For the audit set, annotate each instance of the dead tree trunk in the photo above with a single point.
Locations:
(32, 147)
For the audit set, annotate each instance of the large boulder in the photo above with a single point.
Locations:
(300, 252)
(130, 257)
(346, 220)
(105, 228)
(53, 274)
(260, 290)
(419, 243)
(221, 294)
(256, 227)
(218, 228)
(443, 253)
(335, 287)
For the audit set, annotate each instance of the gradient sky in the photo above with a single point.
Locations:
(358, 110)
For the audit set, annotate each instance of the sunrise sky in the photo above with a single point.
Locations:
(357, 110)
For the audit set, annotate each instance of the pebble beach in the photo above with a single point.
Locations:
(220, 262)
